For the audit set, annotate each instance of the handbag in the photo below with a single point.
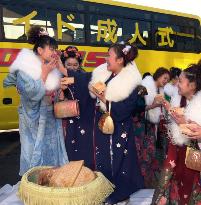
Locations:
(193, 159)
(66, 108)
(106, 124)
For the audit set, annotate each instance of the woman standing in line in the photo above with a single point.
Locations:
(179, 184)
(114, 154)
(146, 127)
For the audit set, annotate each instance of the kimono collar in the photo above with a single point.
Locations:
(28, 62)
(121, 85)
(153, 114)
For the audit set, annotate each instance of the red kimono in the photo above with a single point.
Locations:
(178, 184)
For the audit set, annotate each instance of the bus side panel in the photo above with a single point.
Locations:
(9, 101)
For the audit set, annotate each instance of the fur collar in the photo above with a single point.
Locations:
(191, 112)
(170, 89)
(175, 100)
(28, 62)
(121, 86)
(153, 114)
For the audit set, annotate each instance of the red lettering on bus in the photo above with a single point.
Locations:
(95, 59)
(5, 51)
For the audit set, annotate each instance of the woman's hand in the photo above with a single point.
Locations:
(64, 82)
(47, 68)
(179, 119)
(166, 105)
(61, 95)
(159, 98)
(195, 130)
(61, 67)
(99, 96)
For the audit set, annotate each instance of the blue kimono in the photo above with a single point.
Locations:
(113, 155)
(41, 135)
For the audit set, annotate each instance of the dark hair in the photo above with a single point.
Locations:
(128, 56)
(38, 37)
(174, 72)
(159, 72)
(193, 74)
(146, 74)
(71, 52)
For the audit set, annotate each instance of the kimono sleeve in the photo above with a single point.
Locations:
(80, 77)
(10, 80)
(81, 80)
(30, 89)
(124, 109)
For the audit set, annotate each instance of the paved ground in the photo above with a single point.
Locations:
(9, 158)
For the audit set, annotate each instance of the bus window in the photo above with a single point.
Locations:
(14, 18)
(129, 13)
(105, 30)
(198, 40)
(174, 37)
(66, 26)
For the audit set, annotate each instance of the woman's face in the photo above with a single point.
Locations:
(175, 80)
(186, 88)
(72, 64)
(113, 63)
(46, 53)
(163, 80)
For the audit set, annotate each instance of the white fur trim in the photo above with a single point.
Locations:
(153, 114)
(193, 109)
(99, 74)
(191, 112)
(170, 89)
(53, 80)
(28, 62)
(176, 136)
(119, 87)
(175, 100)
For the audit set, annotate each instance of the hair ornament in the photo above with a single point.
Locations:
(65, 54)
(77, 55)
(122, 42)
(126, 49)
(72, 49)
(43, 33)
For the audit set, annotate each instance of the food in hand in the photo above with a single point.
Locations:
(159, 98)
(177, 110)
(99, 87)
(185, 130)
(67, 80)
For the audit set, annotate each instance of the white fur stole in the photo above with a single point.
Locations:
(28, 62)
(192, 112)
(119, 87)
(153, 114)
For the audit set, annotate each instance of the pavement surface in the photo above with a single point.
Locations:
(9, 158)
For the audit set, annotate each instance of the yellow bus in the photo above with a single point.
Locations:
(164, 38)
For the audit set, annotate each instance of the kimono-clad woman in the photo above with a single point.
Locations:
(78, 130)
(35, 75)
(179, 184)
(72, 59)
(114, 155)
(171, 88)
(146, 128)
